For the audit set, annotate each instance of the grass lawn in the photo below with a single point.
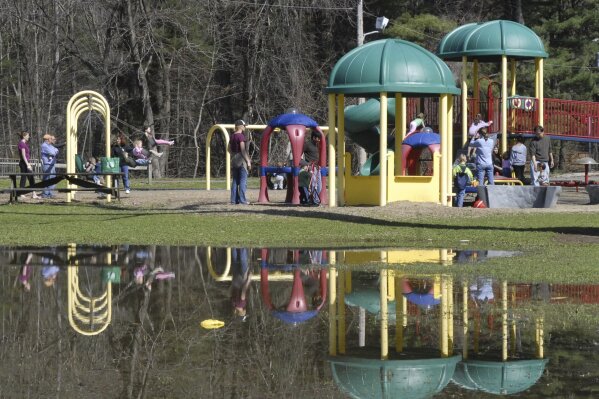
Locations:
(553, 251)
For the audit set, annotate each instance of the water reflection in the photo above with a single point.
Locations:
(124, 321)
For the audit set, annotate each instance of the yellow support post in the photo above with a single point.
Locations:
(450, 149)
(383, 151)
(513, 89)
(541, 96)
(341, 149)
(400, 133)
(464, 99)
(332, 161)
(444, 148)
(503, 103)
(476, 87)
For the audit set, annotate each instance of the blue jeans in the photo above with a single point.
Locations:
(481, 170)
(49, 169)
(240, 179)
(459, 199)
(125, 171)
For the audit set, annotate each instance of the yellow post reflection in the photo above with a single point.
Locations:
(465, 319)
(384, 316)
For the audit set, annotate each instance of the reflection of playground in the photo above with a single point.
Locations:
(304, 268)
(423, 312)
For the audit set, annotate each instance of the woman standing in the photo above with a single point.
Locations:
(24, 165)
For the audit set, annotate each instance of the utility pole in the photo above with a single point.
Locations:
(360, 22)
(359, 152)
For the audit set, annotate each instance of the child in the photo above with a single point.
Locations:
(542, 178)
(141, 155)
(506, 164)
(153, 141)
(91, 166)
(279, 179)
(462, 177)
(304, 183)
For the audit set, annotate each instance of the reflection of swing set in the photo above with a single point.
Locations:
(88, 315)
(424, 377)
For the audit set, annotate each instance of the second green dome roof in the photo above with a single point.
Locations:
(489, 41)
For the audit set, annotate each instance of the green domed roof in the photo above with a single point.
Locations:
(488, 41)
(386, 379)
(501, 378)
(393, 66)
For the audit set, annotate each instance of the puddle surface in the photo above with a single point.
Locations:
(158, 321)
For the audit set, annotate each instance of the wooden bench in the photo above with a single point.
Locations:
(78, 179)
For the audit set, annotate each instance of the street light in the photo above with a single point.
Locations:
(381, 23)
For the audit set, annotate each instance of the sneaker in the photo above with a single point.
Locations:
(127, 191)
(172, 142)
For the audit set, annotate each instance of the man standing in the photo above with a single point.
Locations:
(49, 153)
(484, 156)
(541, 157)
(240, 164)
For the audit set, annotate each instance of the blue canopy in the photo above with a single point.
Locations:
(284, 120)
(422, 139)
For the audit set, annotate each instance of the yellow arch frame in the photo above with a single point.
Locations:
(85, 101)
(84, 310)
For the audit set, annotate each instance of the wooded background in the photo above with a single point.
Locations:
(184, 65)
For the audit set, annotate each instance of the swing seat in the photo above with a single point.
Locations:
(79, 168)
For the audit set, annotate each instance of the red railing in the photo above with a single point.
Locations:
(567, 118)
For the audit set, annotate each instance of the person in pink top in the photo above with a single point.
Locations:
(153, 142)
(24, 164)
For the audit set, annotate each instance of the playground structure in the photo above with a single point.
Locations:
(382, 68)
(400, 79)
(295, 124)
(84, 101)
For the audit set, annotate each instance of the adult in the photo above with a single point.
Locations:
(49, 153)
(541, 157)
(24, 164)
(121, 150)
(518, 158)
(476, 125)
(417, 123)
(240, 163)
(312, 156)
(483, 146)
